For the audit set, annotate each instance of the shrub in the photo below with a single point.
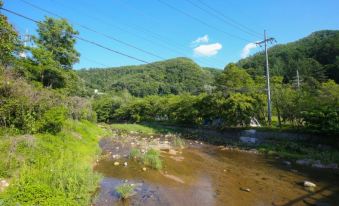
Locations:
(53, 120)
(125, 190)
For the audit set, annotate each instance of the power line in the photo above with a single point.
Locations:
(235, 25)
(203, 22)
(143, 13)
(82, 39)
(230, 19)
(161, 42)
(94, 31)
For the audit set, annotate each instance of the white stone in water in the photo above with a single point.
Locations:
(125, 164)
(309, 184)
(117, 148)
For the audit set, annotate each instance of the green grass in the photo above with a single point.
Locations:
(47, 169)
(178, 142)
(152, 159)
(125, 190)
(299, 150)
(133, 127)
(135, 153)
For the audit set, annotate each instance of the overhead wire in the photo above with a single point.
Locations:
(203, 22)
(150, 33)
(80, 38)
(229, 18)
(224, 19)
(95, 31)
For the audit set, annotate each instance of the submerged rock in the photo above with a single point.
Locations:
(288, 163)
(249, 140)
(309, 184)
(245, 189)
(304, 162)
(144, 169)
(116, 163)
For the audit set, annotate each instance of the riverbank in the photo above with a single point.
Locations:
(46, 169)
(292, 146)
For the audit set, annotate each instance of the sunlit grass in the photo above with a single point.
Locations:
(48, 169)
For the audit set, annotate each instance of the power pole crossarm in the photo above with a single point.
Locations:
(268, 88)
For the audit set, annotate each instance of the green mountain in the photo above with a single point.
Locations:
(316, 56)
(172, 76)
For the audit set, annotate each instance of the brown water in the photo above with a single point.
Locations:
(206, 175)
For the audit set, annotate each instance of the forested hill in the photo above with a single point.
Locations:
(172, 76)
(316, 55)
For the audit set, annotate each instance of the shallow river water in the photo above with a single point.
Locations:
(207, 175)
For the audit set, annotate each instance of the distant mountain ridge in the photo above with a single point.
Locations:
(316, 56)
(171, 76)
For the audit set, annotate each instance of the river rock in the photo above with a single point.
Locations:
(248, 140)
(144, 169)
(116, 163)
(172, 152)
(125, 164)
(309, 184)
(245, 189)
(304, 162)
(288, 163)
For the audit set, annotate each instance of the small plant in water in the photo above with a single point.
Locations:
(135, 153)
(178, 142)
(125, 190)
(152, 159)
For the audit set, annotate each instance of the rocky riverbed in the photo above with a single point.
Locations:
(203, 174)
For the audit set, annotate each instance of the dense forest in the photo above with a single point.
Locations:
(172, 76)
(315, 57)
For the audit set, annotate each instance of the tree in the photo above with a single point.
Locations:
(234, 79)
(57, 36)
(9, 41)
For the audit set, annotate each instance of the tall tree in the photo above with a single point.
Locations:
(8, 40)
(57, 36)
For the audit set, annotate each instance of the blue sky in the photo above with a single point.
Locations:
(206, 37)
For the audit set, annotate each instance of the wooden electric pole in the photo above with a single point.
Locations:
(268, 88)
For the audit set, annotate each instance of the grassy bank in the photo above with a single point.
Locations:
(47, 169)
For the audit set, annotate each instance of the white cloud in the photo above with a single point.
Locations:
(203, 39)
(246, 50)
(207, 50)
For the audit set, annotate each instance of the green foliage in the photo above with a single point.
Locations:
(322, 119)
(133, 127)
(57, 37)
(314, 56)
(125, 190)
(172, 76)
(135, 153)
(178, 142)
(53, 120)
(43, 170)
(234, 79)
(152, 159)
(9, 42)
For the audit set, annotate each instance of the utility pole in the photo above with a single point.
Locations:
(268, 88)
